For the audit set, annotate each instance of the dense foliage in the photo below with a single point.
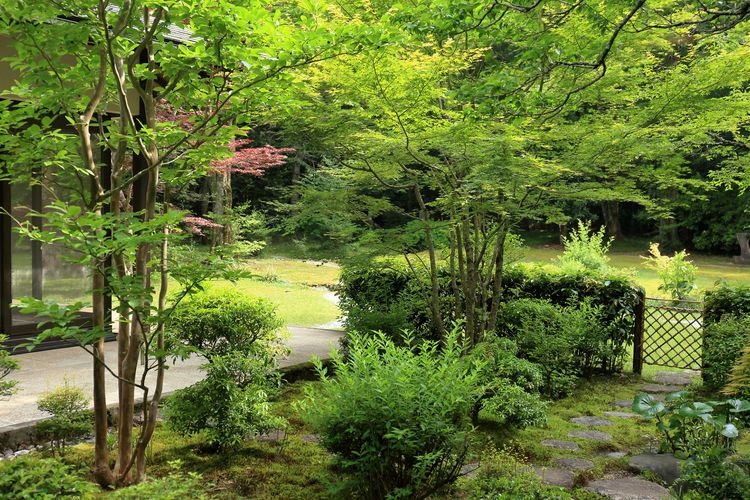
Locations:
(229, 405)
(7, 365)
(223, 320)
(70, 416)
(729, 300)
(397, 417)
(722, 346)
(42, 478)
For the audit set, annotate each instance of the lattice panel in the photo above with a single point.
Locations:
(673, 333)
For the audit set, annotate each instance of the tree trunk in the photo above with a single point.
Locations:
(611, 213)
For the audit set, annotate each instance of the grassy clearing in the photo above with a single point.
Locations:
(628, 256)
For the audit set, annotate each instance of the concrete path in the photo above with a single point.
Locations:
(46, 370)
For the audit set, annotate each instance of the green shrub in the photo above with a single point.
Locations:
(396, 417)
(677, 274)
(614, 298)
(41, 478)
(176, 486)
(70, 419)
(711, 475)
(221, 320)
(730, 300)
(230, 404)
(7, 365)
(543, 337)
(722, 345)
(511, 395)
(585, 249)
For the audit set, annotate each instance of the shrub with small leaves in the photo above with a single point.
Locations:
(42, 478)
(175, 486)
(7, 365)
(70, 416)
(221, 320)
(723, 343)
(229, 405)
(585, 249)
(712, 475)
(396, 417)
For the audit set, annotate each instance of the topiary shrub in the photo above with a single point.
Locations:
(722, 346)
(42, 478)
(229, 405)
(223, 320)
(396, 417)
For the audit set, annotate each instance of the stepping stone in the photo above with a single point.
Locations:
(574, 464)
(470, 469)
(311, 438)
(560, 445)
(663, 465)
(274, 436)
(591, 435)
(554, 476)
(623, 403)
(591, 421)
(675, 378)
(629, 488)
(660, 388)
(620, 414)
(615, 455)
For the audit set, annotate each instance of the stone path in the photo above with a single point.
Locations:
(625, 485)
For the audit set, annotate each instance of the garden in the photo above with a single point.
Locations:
(524, 217)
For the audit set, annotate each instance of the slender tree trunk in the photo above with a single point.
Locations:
(437, 315)
(611, 213)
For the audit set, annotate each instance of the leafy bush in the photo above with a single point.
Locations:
(677, 274)
(585, 249)
(722, 345)
(218, 321)
(690, 428)
(41, 478)
(730, 300)
(396, 417)
(545, 336)
(7, 365)
(176, 486)
(230, 404)
(710, 475)
(511, 395)
(70, 419)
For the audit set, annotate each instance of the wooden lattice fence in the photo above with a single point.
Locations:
(668, 333)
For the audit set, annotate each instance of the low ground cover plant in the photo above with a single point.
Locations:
(42, 478)
(396, 417)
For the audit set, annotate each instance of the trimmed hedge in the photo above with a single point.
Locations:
(726, 318)
(387, 296)
(732, 300)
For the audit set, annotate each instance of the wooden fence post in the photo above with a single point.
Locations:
(640, 310)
